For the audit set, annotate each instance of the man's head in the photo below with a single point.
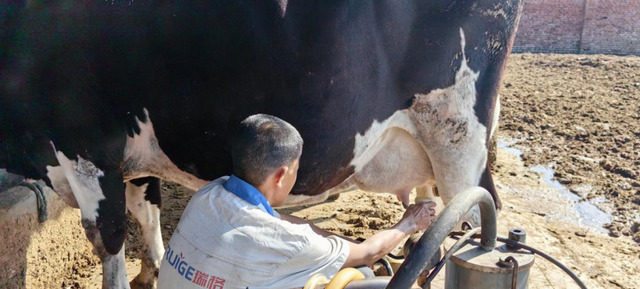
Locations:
(265, 153)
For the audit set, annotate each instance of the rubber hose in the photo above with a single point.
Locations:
(315, 280)
(387, 266)
(369, 283)
(344, 277)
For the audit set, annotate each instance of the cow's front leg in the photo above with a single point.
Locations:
(101, 198)
(144, 202)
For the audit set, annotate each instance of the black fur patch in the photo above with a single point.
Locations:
(153, 194)
(112, 217)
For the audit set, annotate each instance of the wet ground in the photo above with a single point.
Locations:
(579, 116)
(589, 215)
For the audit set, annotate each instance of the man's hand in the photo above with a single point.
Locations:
(419, 216)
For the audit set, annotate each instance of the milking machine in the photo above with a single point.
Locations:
(473, 258)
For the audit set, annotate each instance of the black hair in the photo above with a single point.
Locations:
(261, 145)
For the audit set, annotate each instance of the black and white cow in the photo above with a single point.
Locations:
(388, 96)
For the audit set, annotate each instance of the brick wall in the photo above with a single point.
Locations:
(550, 26)
(612, 26)
(580, 26)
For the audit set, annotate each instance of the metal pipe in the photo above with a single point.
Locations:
(448, 255)
(516, 267)
(439, 230)
(371, 283)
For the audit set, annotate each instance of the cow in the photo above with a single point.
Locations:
(104, 99)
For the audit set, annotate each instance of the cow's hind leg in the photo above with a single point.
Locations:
(457, 151)
(453, 136)
(100, 196)
(144, 202)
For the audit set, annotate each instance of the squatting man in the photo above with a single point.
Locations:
(229, 236)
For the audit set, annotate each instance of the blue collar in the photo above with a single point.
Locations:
(248, 193)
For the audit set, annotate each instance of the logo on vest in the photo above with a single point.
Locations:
(192, 274)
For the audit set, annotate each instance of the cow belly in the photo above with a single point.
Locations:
(398, 165)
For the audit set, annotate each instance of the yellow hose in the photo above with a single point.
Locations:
(344, 277)
(316, 280)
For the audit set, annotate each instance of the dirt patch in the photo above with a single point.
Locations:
(580, 116)
(53, 254)
(355, 214)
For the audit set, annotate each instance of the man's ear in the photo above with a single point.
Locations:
(280, 173)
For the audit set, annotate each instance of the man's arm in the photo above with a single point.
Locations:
(316, 229)
(417, 217)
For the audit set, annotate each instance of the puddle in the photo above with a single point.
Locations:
(590, 215)
(506, 146)
(547, 177)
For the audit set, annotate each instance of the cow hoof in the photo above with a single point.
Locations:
(137, 284)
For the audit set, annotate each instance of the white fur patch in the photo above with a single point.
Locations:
(143, 157)
(114, 271)
(396, 163)
(148, 215)
(82, 177)
(365, 145)
(61, 185)
(496, 116)
(282, 7)
(142, 147)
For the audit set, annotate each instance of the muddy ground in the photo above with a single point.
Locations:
(580, 116)
(575, 114)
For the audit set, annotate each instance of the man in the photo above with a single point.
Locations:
(230, 237)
